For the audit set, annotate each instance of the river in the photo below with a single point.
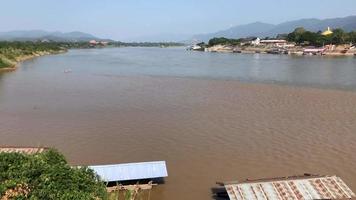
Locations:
(211, 116)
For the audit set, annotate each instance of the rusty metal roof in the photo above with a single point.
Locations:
(316, 187)
(24, 150)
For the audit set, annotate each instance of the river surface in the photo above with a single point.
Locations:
(211, 116)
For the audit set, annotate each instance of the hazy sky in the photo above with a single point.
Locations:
(123, 19)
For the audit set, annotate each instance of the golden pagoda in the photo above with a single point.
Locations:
(327, 32)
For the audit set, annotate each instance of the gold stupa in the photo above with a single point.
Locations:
(327, 32)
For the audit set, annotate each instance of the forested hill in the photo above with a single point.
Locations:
(259, 29)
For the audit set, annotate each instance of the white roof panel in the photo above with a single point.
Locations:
(131, 171)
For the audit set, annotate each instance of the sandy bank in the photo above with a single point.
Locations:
(14, 64)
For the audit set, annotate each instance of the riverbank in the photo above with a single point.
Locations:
(11, 65)
(299, 42)
(297, 50)
(12, 53)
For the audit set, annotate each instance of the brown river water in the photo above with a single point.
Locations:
(208, 126)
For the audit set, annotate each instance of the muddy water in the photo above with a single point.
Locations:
(119, 105)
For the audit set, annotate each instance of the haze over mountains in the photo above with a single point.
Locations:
(260, 29)
(257, 29)
(32, 35)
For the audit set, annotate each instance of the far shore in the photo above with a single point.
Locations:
(339, 51)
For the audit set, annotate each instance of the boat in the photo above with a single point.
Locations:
(195, 47)
(278, 51)
(236, 50)
(314, 51)
(344, 51)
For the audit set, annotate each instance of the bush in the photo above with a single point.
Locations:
(47, 175)
(5, 62)
(223, 41)
(300, 36)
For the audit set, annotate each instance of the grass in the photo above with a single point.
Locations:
(129, 195)
(5, 63)
(12, 52)
(2, 64)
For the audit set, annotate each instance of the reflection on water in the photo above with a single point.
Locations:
(128, 105)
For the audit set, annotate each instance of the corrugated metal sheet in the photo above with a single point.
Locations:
(24, 150)
(131, 171)
(328, 187)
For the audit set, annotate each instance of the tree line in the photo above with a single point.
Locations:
(300, 36)
(146, 44)
(224, 41)
(10, 52)
(304, 37)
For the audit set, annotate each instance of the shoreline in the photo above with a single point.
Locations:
(21, 59)
(297, 51)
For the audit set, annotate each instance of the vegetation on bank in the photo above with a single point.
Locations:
(146, 44)
(303, 37)
(46, 175)
(299, 36)
(12, 52)
(224, 41)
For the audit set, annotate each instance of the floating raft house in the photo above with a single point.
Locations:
(297, 187)
(131, 171)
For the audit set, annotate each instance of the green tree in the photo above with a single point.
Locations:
(296, 35)
(352, 37)
(47, 176)
(339, 36)
(223, 41)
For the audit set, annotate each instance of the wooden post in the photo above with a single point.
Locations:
(118, 191)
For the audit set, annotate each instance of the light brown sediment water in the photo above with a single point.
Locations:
(207, 130)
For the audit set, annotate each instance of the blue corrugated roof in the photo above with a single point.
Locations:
(131, 171)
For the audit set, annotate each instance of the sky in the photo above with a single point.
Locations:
(129, 19)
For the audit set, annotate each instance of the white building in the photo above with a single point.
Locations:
(93, 42)
(257, 41)
(277, 43)
(273, 41)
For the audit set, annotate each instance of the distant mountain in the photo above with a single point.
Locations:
(32, 35)
(253, 29)
(259, 29)
(163, 37)
(346, 23)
